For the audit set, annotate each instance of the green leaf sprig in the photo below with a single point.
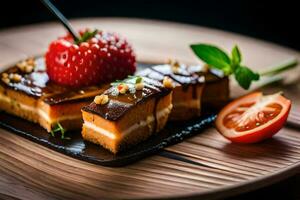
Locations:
(129, 80)
(59, 129)
(215, 57)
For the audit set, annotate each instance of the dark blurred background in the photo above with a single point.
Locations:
(276, 21)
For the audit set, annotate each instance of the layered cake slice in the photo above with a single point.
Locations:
(127, 113)
(187, 91)
(25, 91)
(195, 87)
(216, 90)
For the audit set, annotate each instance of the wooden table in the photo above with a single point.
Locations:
(30, 171)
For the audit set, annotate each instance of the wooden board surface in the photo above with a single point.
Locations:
(30, 171)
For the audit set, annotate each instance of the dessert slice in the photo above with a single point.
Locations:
(187, 92)
(127, 113)
(216, 90)
(25, 91)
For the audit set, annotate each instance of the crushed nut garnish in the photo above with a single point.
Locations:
(174, 65)
(6, 80)
(175, 69)
(27, 66)
(15, 77)
(139, 86)
(30, 61)
(21, 65)
(205, 68)
(5, 75)
(168, 83)
(101, 99)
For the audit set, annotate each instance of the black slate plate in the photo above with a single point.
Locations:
(78, 148)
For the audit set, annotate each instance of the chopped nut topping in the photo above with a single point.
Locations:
(4, 75)
(168, 83)
(31, 61)
(123, 88)
(6, 80)
(22, 65)
(28, 69)
(26, 66)
(101, 99)
(205, 68)
(175, 69)
(15, 77)
(139, 86)
(174, 65)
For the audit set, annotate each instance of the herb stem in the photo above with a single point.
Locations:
(280, 68)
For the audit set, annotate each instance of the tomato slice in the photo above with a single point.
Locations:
(253, 118)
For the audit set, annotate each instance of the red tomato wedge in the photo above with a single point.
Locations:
(253, 118)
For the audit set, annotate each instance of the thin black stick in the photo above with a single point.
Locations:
(60, 17)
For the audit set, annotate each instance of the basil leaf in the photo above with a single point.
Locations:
(236, 57)
(244, 76)
(213, 56)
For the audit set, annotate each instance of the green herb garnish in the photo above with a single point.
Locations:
(58, 128)
(138, 79)
(86, 36)
(219, 59)
(129, 80)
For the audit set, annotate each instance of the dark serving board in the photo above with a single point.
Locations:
(76, 147)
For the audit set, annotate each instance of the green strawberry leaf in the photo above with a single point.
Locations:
(86, 36)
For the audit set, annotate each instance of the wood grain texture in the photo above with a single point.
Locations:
(30, 171)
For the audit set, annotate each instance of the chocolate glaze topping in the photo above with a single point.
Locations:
(182, 76)
(120, 104)
(211, 75)
(37, 85)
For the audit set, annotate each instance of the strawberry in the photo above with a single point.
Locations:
(117, 56)
(95, 58)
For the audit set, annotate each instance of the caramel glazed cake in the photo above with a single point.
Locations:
(127, 113)
(195, 86)
(26, 91)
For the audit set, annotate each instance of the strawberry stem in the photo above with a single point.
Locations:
(86, 36)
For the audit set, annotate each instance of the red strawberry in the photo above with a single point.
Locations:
(116, 54)
(97, 57)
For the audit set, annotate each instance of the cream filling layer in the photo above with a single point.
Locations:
(40, 112)
(149, 120)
